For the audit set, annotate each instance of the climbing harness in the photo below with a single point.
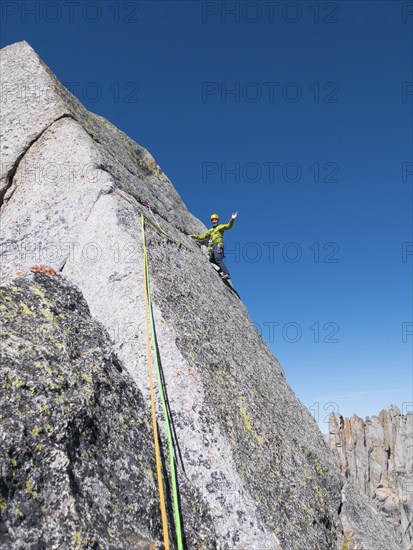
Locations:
(152, 333)
(218, 248)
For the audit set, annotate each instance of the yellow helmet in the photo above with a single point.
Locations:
(214, 217)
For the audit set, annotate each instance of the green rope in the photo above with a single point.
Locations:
(163, 234)
(156, 227)
(164, 408)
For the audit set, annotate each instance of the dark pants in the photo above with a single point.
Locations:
(216, 257)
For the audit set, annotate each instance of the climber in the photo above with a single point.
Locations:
(216, 245)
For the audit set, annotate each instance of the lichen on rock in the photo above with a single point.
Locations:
(77, 466)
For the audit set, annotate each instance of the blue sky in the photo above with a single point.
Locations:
(299, 116)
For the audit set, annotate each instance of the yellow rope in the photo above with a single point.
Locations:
(155, 429)
(167, 420)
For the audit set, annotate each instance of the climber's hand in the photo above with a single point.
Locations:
(234, 215)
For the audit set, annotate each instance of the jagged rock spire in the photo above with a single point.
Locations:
(377, 456)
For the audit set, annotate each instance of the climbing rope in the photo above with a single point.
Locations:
(171, 454)
(152, 392)
(154, 225)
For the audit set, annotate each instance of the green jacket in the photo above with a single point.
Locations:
(215, 234)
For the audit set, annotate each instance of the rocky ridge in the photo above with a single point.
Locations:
(254, 469)
(376, 455)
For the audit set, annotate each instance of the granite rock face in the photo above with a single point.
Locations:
(376, 455)
(33, 101)
(254, 470)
